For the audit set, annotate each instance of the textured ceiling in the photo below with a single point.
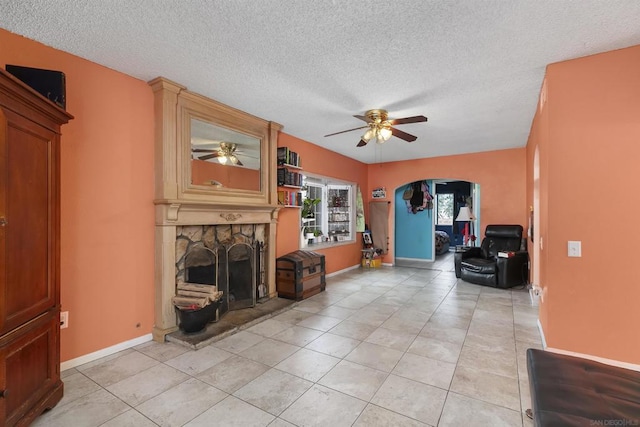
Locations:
(474, 68)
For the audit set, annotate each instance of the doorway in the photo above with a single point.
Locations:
(415, 232)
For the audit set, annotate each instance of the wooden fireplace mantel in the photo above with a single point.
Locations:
(179, 212)
(181, 202)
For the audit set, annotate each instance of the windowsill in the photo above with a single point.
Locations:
(326, 245)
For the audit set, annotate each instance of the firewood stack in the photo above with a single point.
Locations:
(191, 296)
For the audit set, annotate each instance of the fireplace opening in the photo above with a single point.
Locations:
(200, 266)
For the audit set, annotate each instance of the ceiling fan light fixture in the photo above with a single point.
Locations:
(385, 132)
(369, 134)
(222, 159)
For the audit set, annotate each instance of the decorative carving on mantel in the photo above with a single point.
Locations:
(172, 211)
(230, 216)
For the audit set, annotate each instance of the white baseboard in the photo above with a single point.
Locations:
(414, 259)
(104, 352)
(344, 270)
(611, 362)
(544, 341)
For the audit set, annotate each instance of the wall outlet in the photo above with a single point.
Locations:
(574, 248)
(64, 319)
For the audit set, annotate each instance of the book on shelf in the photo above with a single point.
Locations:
(280, 176)
(286, 177)
(288, 157)
(289, 198)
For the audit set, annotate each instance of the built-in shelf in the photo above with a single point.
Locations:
(288, 166)
(288, 190)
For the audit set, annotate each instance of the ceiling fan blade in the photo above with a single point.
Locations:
(234, 160)
(362, 143)
(403, 135)
(414, 119)
(343, 131)
(364, 118)
(202, 150)
(209, 156)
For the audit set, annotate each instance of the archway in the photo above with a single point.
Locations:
(415, 230)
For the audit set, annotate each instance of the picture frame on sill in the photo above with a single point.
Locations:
(366, 238)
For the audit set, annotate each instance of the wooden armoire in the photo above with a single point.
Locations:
(29, 252)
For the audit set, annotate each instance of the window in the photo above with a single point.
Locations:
(444, 206)
(334, 214)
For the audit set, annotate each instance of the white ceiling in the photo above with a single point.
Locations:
(473, 67)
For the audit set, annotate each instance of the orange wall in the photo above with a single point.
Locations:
(107, 212)
(501, 175)
(317, 160)
(229, 176)
(590, 171)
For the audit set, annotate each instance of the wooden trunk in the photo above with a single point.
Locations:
(300, 274)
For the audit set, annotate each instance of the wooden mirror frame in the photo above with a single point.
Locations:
(191, 106)
(175, 107)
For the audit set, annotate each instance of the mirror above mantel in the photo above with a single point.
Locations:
(224, 158)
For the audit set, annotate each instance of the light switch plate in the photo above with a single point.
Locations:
(574, 248)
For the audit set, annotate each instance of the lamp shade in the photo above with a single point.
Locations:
(464, 214)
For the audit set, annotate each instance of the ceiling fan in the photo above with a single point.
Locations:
(226, 153)
(381, 128)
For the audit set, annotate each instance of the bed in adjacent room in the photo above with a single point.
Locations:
(442, 242)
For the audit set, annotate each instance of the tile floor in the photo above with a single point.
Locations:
(381, 347)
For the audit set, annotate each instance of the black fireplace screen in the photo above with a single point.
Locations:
(236, 269)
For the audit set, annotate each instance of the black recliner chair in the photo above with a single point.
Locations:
(483, 266)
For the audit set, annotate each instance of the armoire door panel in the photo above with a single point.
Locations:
(28, 232)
